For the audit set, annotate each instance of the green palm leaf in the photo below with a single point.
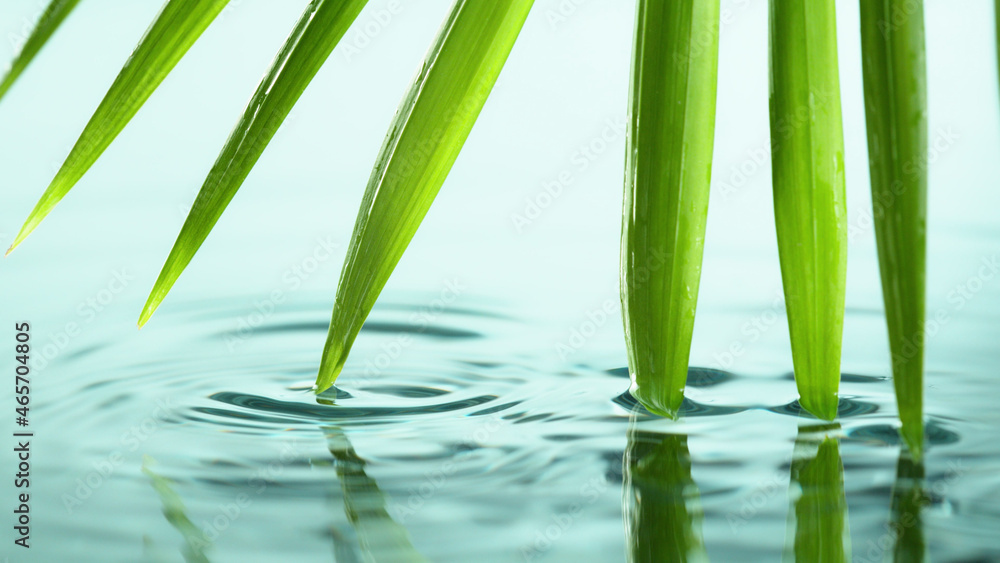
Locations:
(424, 140)
(314, 37)
(668, 170)
(809, 203)
(176, 28)
(895, 77)
(53, 16)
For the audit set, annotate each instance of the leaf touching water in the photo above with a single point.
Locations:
(53, 16)
(807, 142)
(424, 140)
(176, 28)
(895, 77)
(317, 32)
(668, 170)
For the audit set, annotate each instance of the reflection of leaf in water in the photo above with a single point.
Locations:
(819, 515)
(662, 509)
(175, 512)
(908, 499)
(382, 539)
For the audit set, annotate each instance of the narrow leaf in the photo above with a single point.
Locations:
(668, 171)
(424, 140)
(809, 204)
(314, 37)
(176, 28)
(895, 78)
(48, 23)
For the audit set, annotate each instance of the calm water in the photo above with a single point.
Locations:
(484, 413)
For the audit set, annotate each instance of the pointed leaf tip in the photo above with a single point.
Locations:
(319, 29)
(21, 235)
(809, 189)
(432, 124)
(179, 24)
(55, 13)
(147, 311)
(666, 192)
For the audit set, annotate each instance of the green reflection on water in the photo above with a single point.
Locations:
(818, 516)
(661, 502)
(909, 497)
(382, 539)
(176, 514)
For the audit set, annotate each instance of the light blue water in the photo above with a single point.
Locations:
(483, 414)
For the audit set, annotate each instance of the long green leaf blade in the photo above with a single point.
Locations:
(176, 28)
(319, 29)
(809, 203)
(53, 16)
(424, 140)
(668, 171)
(895, 78)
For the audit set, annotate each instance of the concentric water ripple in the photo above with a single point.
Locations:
(443, 430)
